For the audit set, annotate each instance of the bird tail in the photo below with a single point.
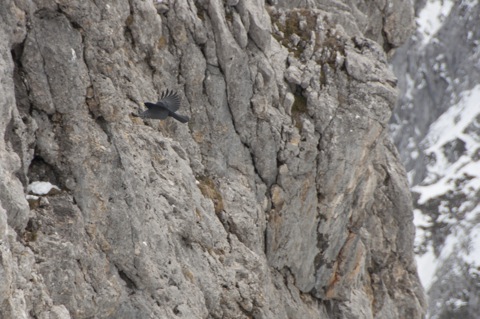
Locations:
(180, 118)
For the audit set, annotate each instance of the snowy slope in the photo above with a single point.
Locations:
(436, 127)
(452, 187)
(430, 18)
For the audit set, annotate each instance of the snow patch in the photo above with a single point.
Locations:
(42, 188)
(449, 127)
(410, 87)
(414, 154)
(459, 175)
(431, 18)
(427, 266)
(32, 197)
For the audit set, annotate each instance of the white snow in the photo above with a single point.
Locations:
(469, 3)
(431, 17)
(425, 262)
(32, 197)
(455, 119)
(448, 127)
(410, 83)
(426, 265)
(41, 188)
(461, 176)
(474, 255)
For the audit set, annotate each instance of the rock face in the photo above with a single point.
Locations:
(282, 198)
(436, 128)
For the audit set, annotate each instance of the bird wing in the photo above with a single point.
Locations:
(170, 100)
(150, 105)
(155, 111)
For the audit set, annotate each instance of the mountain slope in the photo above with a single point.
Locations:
(436, 128)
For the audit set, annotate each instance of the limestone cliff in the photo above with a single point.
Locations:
(282, 198)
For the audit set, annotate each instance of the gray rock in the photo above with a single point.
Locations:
(282, 198)
(239, 31)
(256, 21)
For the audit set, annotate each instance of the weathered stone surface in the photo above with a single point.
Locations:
(281, 198)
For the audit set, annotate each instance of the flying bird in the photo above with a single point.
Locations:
(167, 106)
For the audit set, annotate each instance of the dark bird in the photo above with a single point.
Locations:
(167, 106)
